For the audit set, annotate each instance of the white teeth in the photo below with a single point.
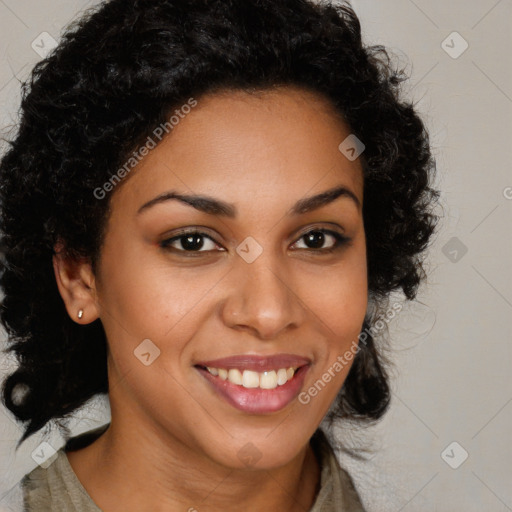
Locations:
(235, 376)
(282, 377)
(268, 380)
(251, 379)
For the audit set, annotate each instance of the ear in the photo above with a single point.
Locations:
(76, 284)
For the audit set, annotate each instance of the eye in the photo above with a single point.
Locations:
(192, 241)
(317, 238)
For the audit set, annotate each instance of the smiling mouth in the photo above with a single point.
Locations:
(256, 392)
(251, 379)
(256, 384)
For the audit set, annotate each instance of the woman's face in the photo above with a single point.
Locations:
(270, 275)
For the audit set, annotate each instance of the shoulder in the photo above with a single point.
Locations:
(337, 491)
(44, 487)
(55, 486)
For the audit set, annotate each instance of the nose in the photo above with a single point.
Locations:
(262, 300)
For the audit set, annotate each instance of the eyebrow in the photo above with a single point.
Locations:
(214, 206)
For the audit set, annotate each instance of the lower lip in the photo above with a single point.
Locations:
(257, 400)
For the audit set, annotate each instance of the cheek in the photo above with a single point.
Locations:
(339, 299)
(148, 297)
(339, 303)
(338, 296)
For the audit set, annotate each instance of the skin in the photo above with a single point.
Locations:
(169, 429)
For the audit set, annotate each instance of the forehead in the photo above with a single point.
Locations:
(248, 145)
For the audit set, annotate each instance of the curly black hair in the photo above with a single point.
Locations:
(116, 75)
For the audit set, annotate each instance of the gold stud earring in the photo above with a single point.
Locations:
(80, 313)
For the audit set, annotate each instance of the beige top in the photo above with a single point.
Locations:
(57, 488)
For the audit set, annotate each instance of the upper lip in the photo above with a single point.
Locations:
(257, 363)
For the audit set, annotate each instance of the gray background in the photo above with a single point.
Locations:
(452, 347)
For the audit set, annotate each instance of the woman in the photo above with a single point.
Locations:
(206, 207)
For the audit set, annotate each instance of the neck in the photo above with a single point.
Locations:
(124, 470)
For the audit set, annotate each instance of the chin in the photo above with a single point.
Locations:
(264, 451)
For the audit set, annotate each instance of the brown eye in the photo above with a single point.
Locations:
(190, 242)
(317, 238)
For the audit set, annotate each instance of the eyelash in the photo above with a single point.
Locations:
(339, 241)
